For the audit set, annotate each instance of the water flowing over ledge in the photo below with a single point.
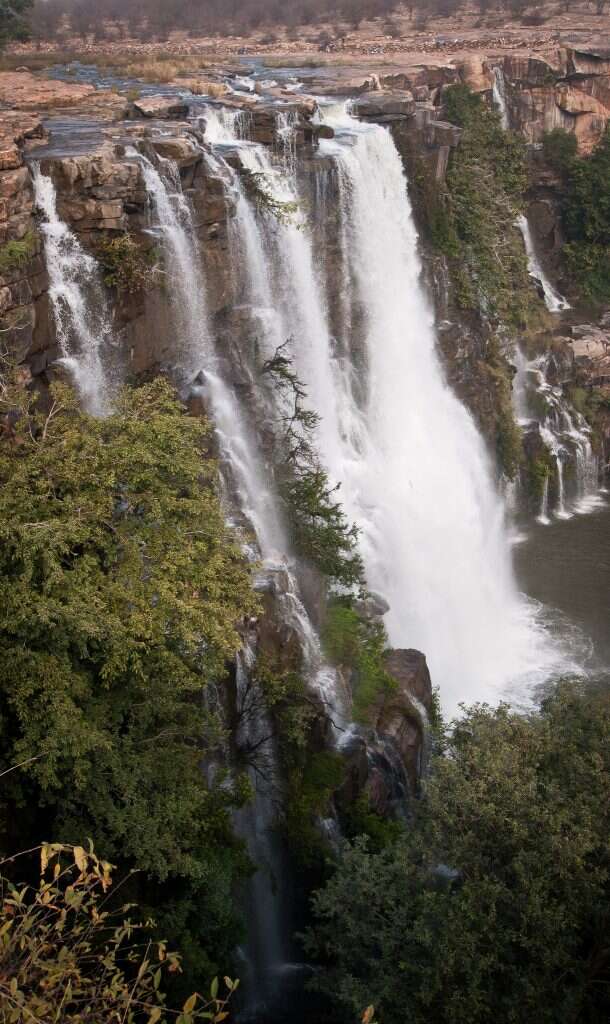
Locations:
(414, 473)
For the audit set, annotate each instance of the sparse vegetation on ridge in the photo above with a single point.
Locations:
(125, 265)
(585, 205)
(18, 252)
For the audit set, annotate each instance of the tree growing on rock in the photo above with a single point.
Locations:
(120, 594)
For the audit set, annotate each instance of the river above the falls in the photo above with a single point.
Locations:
(566, 566)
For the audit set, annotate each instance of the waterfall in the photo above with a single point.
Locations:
(414, 473)
(80, 312)
(499, 96)
(265, 902)
(561, 513)
(543, 515)
(565, 433)
(554, 302)
(248, 247)
(198, 361)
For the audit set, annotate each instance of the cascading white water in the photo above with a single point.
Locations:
(413, 470)
(566, 435)
(415, 474)
(499, 97)
(554, 302)
(82, 320)
(250, 257)
(281, 273)
(174, 223)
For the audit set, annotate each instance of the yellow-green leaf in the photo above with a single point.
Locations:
(80, 858)
(190, 1003)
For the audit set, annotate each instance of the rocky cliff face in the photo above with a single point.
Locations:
(569, 90)
(101, 195)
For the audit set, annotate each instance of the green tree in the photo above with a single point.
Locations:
(494, 904)
(319, 528)
(14, 23)
(586, 216)
(120, 593)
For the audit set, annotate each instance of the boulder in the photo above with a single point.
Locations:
(373, 105)
(181, 150)
(410, 670)
(170, 107)
(400, 717)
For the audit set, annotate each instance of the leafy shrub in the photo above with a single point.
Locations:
(486, 180)
(18, 252)
(120, 590)
(358, 644)
(309, 775)
(124, 265)
(537, 472)
(586, 213)
(319, 529)
(559, 148)
(257, 186)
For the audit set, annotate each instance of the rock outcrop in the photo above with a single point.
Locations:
(570, 91)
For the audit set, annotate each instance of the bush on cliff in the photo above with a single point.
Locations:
(120, 590)
(486, 180)
(493, 906)
(358, 644)
(124, 264)
(586, 211)
(319, 528)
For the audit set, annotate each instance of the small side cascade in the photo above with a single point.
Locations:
(82, 319)
(265, 950)
(554, 302)
(285, 132)
(499, 96)
(565, 434)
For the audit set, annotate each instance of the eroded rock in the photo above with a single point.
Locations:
(161, 106)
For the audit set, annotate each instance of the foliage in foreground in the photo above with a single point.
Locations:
(120, 591)
(494, 904)
(65, 957)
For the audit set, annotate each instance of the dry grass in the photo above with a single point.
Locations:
(201, 87)
(152, 70)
